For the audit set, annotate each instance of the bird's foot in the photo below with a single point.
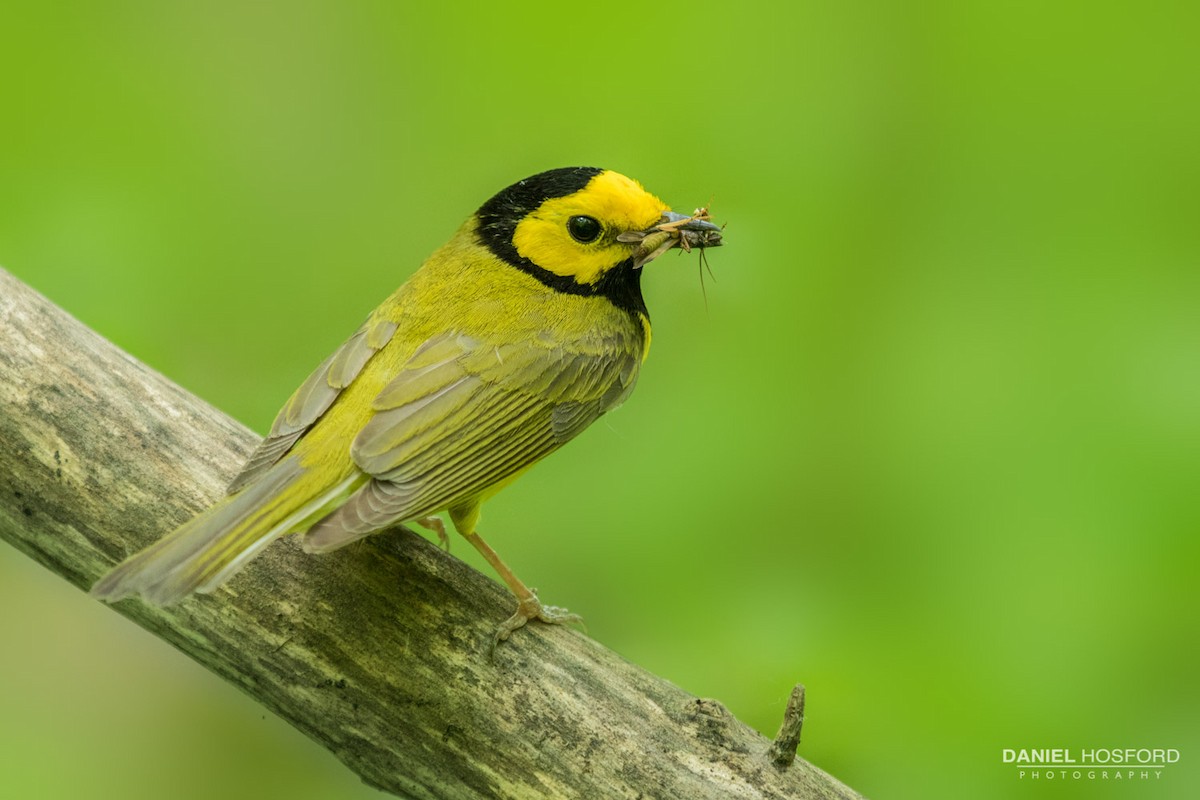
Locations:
(436, 525)
(531, 608)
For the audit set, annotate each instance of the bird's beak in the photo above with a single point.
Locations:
(672, 230)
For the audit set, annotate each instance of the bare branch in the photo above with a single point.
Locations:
(379, 651)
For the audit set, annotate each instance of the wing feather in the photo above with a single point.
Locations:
(314, 397)
(463, 416)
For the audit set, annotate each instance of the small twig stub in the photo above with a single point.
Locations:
(783, 749)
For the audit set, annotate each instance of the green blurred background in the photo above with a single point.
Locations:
(932, 448)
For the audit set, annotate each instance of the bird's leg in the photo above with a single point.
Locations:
(528, 605)
(436, 525)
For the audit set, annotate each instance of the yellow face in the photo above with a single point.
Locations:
(576, 236)
(563, 226)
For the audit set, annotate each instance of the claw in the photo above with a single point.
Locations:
(528, 605)
(532, 608)
(436, 525)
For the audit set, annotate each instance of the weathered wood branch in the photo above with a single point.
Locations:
(379, 651)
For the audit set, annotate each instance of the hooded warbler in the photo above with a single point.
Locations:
(517, 334)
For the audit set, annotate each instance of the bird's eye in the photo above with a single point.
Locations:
(583, 229)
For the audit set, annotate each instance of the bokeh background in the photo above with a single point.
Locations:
(931, 446)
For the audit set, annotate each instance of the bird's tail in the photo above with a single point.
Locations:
(205, 552)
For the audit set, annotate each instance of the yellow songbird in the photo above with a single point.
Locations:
(517, 334)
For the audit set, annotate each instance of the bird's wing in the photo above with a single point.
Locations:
(314, 397)
(464, 416)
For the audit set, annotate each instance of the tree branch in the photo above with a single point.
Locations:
(379, 651)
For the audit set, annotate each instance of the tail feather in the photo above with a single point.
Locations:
(205, 552)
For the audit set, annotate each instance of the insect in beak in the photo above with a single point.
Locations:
(673, 230)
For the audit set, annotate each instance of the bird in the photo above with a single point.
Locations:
(521, 331)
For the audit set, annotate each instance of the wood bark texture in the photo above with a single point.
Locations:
(380, 651)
